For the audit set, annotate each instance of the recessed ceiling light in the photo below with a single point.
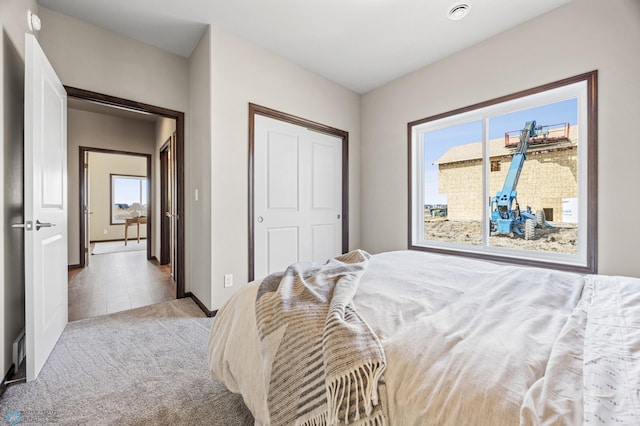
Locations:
(458, 11)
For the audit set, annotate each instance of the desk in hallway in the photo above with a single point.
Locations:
(133, 221)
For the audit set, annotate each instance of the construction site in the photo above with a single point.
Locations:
(533, 182)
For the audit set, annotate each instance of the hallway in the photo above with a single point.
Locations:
(117, 282)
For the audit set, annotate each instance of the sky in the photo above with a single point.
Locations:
(439, 141)
(127, 190)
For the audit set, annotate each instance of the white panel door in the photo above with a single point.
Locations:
(297, 195)
(45, 192)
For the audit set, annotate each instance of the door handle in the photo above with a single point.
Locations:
(28, 225)
(43, 225)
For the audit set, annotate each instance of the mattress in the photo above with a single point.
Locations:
(471, 342)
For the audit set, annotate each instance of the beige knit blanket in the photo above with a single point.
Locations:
(326, 363)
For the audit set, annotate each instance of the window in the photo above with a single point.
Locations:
(128, 197)
(510, 179)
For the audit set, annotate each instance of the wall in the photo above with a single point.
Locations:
(101, 166)
(592, 31)
(92, 58)
(97, 130)
(198, 173)
(242, 73)
(13, 25)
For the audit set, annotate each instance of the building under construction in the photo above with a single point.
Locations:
(548, 181)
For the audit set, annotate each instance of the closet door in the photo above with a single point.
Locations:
(297, 195)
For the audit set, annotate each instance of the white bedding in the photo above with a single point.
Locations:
(470, 342)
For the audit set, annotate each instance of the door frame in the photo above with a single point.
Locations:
(84, 202)
(114, 101)
(165, 228)
(254, 110)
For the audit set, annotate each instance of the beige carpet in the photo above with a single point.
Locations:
(118, 246)
(146, 366)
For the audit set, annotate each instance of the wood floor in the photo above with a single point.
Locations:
(118, 282)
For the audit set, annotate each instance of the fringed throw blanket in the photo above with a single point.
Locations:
(326, 363)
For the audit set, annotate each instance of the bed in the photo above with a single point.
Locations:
(464, 342)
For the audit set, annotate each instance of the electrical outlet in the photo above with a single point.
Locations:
(105, 232)
(228, 280)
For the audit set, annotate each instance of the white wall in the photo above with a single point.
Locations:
(581, 36)
(101, 167)
(237, 73)
(92, 58)
(198, 173)
(95, 130)
(13, 25)
(242, 73)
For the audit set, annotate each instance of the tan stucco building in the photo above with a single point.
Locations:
(549, 175)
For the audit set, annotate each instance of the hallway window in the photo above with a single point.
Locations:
(128, 197)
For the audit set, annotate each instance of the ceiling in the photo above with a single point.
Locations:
(359, 44)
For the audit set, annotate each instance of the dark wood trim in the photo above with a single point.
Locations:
(76, 266)
(505, 259)
(592, 170)
(179, 140)
(180, 197)
(251, 180)
(201, 305)
(7, 377)
(409, 185)
(591, 79)
(542, 88)
(115, 101)
(165, 222)
(311, 125)
(83, 201)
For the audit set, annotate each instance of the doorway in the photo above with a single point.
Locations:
(116, 201)
(177, 164)
(168, 212)
(165, 206)
(119, 270)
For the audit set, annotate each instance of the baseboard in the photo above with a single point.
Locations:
(117, 239)
(10, 373)
(77, 266)
(201, 305)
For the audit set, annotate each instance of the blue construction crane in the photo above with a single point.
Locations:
(506, 216)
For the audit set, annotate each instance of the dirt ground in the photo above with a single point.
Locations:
(560, 238)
